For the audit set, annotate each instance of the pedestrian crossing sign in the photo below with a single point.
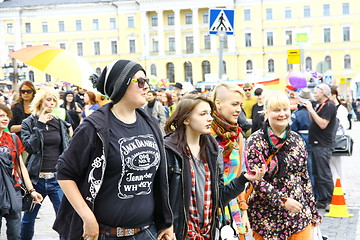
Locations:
(221, 20)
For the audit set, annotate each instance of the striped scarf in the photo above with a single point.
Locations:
(195, 232)
(227, 132)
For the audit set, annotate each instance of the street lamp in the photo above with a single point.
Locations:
(12, 72)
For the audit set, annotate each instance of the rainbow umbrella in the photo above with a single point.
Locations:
(62, 64)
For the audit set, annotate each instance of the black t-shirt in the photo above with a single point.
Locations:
(324, 137)
(52, 144)
(257, 117)
(126, 196)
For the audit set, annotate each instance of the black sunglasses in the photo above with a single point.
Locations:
(249, 89)
(141, 81)
(26, 91)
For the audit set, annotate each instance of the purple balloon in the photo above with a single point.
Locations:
(297, 79)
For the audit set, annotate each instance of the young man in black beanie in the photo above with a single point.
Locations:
(114, 171)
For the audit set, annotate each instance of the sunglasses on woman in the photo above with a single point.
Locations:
(141, 81)
(26, 91)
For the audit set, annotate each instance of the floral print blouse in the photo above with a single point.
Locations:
(267, 217)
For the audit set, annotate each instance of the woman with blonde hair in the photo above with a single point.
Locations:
(44, 137)
(282, 205)
(228, 99)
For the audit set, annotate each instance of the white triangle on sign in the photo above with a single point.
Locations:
(221, 23)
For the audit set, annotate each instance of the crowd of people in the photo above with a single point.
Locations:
(168, 164)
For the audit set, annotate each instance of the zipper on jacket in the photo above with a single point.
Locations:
(183, 192)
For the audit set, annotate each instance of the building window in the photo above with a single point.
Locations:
(205, 17)
(207, 42)
(45, 28)
(97, 48)
(328, 62)
(308, 63)
(347, 62)
(113, 23)
(189, 44)
(327, 38)
(269, 15)
(78, 25)
(307, 11)
(270, 38)
(31, 76)
(271, 67)
(170, 72)
(346, 34)
(288, 37)
(247, 15)
(131, 22)
(95, 24)
(114, 47)
(249, 66)
(10, 48)
(154, 20)
(171, 19)
(224, 67)
(326, 9)
(188, 18)
(205, 65)
(171, 44)
(28, 27)
(9, 28)
(132, 46)
(47, 78)
(188, 71)
(155, 45)
(80, 51)
(287, 13)
(153, 69)
(62, 46)
(61, 26)
(247, 39)
(345, 9)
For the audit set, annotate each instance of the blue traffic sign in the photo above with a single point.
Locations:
(221, 20)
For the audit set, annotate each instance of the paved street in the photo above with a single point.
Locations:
(334, 228)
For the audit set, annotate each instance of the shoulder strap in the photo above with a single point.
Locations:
(251, 188)
(14, 137)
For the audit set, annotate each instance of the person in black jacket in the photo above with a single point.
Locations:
(114, 172)
(44, 137)
(195, 176)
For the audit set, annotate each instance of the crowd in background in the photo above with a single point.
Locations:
(243, 123)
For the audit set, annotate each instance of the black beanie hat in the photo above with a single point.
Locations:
(115, 78)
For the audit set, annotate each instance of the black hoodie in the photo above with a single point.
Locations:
(84, 162)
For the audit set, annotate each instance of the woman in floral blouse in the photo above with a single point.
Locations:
(282, 205)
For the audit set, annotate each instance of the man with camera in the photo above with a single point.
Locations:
(321, 137)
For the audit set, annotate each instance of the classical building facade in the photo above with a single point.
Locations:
(170, 38)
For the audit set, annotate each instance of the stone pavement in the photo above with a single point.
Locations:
(333, 228)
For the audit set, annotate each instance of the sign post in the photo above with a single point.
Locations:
(221, 23)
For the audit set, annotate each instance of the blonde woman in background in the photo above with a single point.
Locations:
(44, 137)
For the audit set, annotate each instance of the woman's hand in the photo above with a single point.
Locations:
(256, 173)
(90, 227)
(292, 205)
(45, 116)
(246, 223)
(36, 196)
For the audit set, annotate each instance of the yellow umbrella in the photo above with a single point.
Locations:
(57, 62)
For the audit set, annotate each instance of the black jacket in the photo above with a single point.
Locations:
(33, 141)
(85, 163)
(180, 183)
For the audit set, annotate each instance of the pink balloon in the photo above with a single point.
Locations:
(297, 79)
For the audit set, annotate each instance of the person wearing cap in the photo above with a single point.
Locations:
(257, 114)
(178, 87)
(114, 173)
(300, 122)
(321, 137)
